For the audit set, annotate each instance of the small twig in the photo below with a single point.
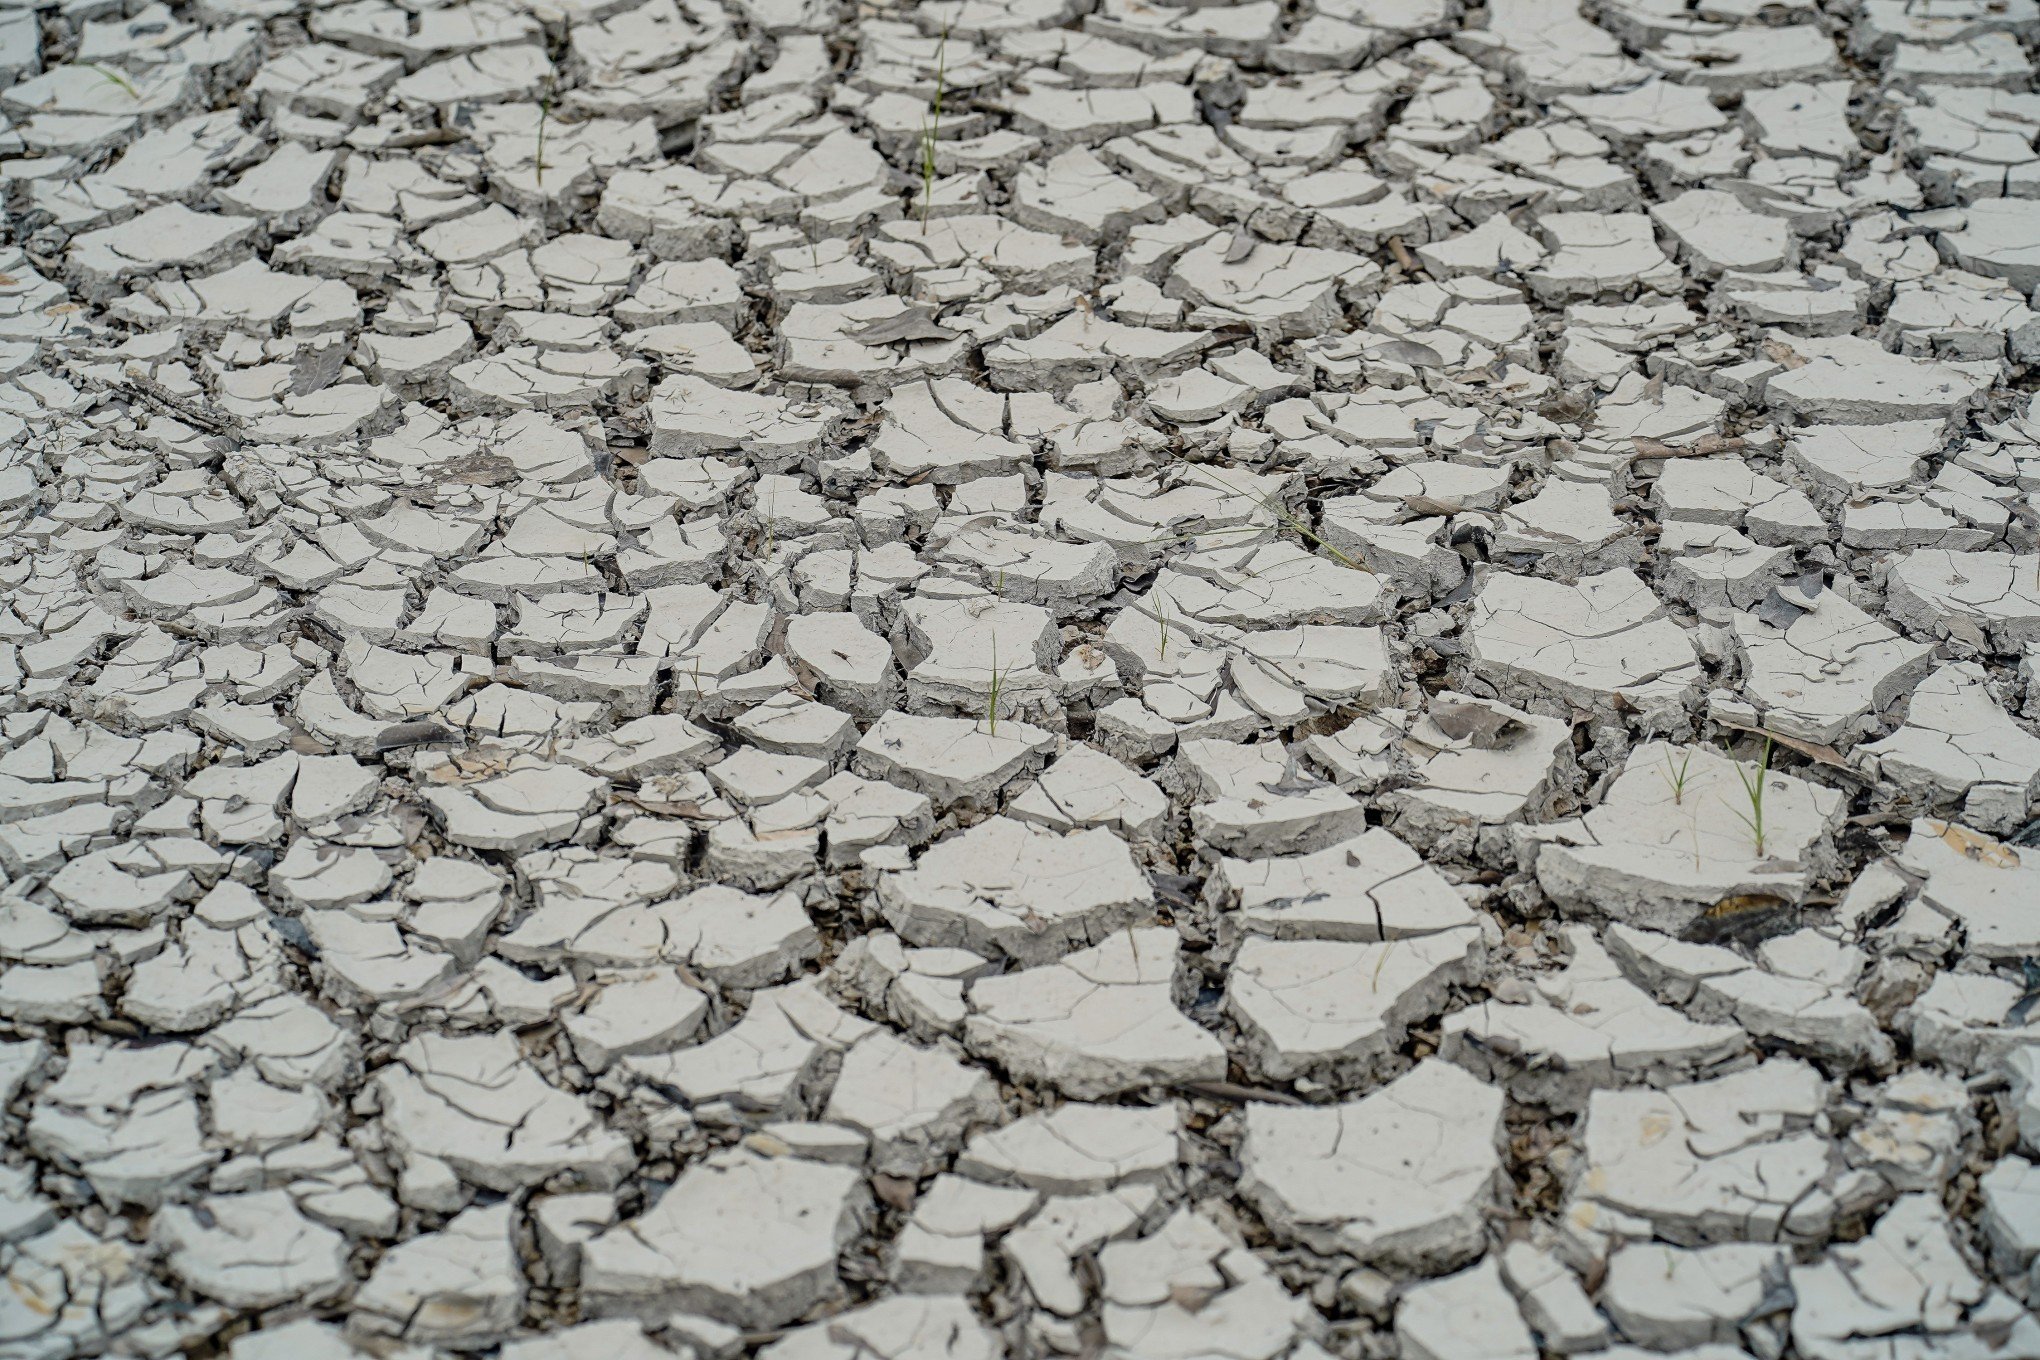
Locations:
(1232, 1090)
(1649, 450)
(209, 421)
(404, 141)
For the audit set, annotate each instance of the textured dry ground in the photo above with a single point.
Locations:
(1340, 678)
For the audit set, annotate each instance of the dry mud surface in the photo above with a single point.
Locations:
(1083, 678)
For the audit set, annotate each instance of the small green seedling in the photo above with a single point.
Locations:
(1753, 790)
(545, 106)
(1675, 775)
(1290, 520)
(931, 128)
(1162, 620)
(113, 77)
(998, 688)
(927, 172)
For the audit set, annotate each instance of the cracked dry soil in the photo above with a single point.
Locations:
(1101, 678)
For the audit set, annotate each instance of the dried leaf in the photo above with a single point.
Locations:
(477, 469)
(469, 768)
(1483, 725)
(914, 323)
(421, 733)
(1977, 846)
(1780, 610)
(1567, 408)
(1812, 750)
(768, 1145)
(897, 1191)
(1742, 903)
(1744, 916)
(1779, 352)
(313, 370)
(1407, 352)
